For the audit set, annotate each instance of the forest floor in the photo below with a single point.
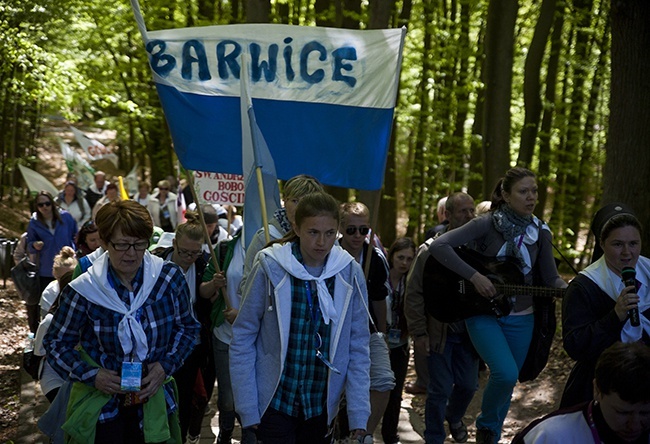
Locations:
(530, 400)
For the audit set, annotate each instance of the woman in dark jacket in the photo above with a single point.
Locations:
(596, 307)
(49, 230)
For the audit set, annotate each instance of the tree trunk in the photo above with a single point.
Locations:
(499, 48)
(379, 13)
(582, 61)
(544, 170)
(258, 11)
(587, 172)
(205, 10)
(463, 94)
(379, 17)
(419, 193)
(629, 121)
(475, 183)
(532, 83)
(350, 15)
(325, 13)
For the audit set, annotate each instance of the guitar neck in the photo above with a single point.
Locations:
(514, 290)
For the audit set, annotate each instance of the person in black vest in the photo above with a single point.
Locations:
(97, 190)
(187, 252)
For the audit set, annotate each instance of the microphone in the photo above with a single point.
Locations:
(628, 276)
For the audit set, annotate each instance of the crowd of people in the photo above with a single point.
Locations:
(307, 337)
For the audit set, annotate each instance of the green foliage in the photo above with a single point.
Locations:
(84, 60)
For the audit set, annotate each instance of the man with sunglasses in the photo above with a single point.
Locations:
(355, 227)
(452, 376)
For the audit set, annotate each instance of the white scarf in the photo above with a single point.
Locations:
(612, 285)
(529, 238)
(337, 260)
(94, 286)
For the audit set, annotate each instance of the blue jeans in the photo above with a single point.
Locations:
(453, 380)
(503, 344)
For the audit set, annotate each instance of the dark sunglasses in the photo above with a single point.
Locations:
(352, 229)
(44, 204)
(163, 189)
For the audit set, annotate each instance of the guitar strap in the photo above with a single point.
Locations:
(559, 252)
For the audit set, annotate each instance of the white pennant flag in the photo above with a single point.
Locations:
(36, 182)
(131, 180)
(94, 149)
(77, 165)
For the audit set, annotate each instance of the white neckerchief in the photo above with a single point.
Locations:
(612, 285)
(531, 236)
(336, 261)
(94, 286)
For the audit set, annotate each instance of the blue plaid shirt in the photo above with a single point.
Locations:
(165, 316)
(303, 384)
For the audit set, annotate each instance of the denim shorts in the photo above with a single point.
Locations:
(382, 378)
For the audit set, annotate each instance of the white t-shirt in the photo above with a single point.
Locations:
(49, 296)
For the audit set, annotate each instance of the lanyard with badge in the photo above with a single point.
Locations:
(131, 375)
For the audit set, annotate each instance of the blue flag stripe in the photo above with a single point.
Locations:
(205, 128)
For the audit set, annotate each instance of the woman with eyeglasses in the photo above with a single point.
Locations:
(49, 230)
(187, 252)
(122, 329)
(296, 346)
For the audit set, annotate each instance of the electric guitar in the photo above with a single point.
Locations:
(449, 298)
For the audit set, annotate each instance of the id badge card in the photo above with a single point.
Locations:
(394, 335)
(131, 376)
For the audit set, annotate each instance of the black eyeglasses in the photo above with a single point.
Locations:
(163, 189)
(44, 204)
(188, 253)
(124, 246)
(352, 229)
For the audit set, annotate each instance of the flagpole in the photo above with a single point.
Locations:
(213, 256)
(374, 216)
(265, 217)
(190, 179)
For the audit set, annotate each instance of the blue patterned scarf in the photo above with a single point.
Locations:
(512, 226)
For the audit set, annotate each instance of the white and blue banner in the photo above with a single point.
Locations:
(323, 97)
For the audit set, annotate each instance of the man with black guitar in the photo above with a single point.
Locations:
(452, 361)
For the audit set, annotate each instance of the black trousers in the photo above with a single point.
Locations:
(124, 429)
(279, 428)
